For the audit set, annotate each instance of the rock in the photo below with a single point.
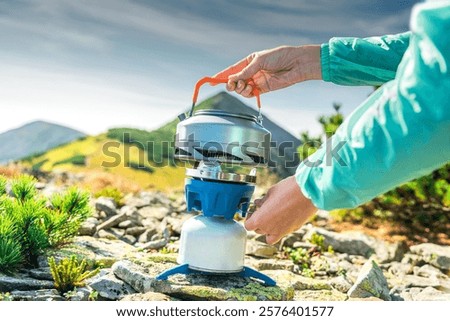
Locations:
(325, 264)
(150, 223)
(112, 221)
(155, 198)
(154, 245)
(298, 282)
(157, 212)
(319, 295)
(126, 224)
(429, 271)
(418, 281)
(270, 264)
(219, 288)
(356, 243)
(130, 239)
(346, 267)
(370, 282)
(135, 231)
(111, 288)
(260, 249)
(136, 202)
(41, 274)
(386, 252)
(436, 255)
(149, 296)
(412, 259)
(132, 214)
(400, 269)
(99, 250)
(37, 295)
(89, 227)
(323, 215)
(22, 283)
(290, 239)
(372, 298)
(147, 235)
(133, 275)
(421, 294)
(106, 235)
(340, 283)
(82, 294)
(106, 205)
(303, 245)
(175, 224)
(357, 259)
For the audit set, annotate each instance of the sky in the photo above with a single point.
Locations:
(97, 64)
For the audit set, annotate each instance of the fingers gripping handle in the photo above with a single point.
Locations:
(213, 80)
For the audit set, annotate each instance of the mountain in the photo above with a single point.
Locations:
(34, 138)
(106, 162)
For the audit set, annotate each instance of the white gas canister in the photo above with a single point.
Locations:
(212, 244)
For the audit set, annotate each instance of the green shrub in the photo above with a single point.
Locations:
(10, 254)
(140, 167)
(70, 210)
(23, 187)
(112, 192)
(79, 160)
(2, 185)
(29, 225)
(37, 166)
(69, 273)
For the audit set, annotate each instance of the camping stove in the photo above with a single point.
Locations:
(213, 242)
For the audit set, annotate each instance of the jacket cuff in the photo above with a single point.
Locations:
(325, 61)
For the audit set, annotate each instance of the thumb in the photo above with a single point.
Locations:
(249, 71)
(250, 223)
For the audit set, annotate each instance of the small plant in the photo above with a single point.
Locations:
(319, 240)
(93, 296)
(309, 273)
(69, 273)
(112, 192)
(5, 296)
(301, 257)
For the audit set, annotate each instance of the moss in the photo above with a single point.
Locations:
(255, 291)
(320, 295)
(203, 293)
(163, 258)
(83, 254)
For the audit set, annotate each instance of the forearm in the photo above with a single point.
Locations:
(399, 133)
(363, 61)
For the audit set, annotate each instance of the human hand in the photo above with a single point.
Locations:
(283, 210)
(273, 69)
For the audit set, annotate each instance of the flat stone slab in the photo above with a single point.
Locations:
(37, 295)
(22, 283)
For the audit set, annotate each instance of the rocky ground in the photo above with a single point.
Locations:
(138, 240)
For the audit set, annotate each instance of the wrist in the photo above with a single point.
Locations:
(310, 62)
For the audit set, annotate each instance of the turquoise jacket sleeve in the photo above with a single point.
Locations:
(400, 132)
(363, 61)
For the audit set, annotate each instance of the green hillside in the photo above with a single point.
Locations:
(124, 152)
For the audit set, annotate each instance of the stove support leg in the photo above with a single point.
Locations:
(251, 273)
(179, 269)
